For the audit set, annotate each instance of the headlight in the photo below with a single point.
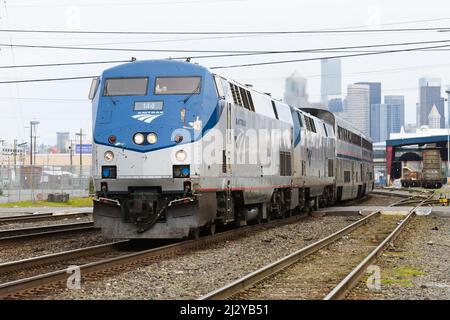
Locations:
(139, 138)
(180, 155)
(109, 156)
(152, 138)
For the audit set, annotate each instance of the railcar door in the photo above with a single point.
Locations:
(229, 150)
(229, 144)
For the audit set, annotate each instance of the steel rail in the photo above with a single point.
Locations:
(14, 287)
(34, 232)
(58, 257)
(24, 217)
(341, 290)
(275, 267)
(42, 216)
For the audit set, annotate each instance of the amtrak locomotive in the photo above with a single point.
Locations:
(178, 149)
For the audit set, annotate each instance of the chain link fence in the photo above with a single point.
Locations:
(25, 183)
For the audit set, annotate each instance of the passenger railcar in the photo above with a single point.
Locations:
(178, 149)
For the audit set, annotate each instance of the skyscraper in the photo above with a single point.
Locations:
(295, 90)
(336, 105)
(379, 124)
(434, 118)
(430, 95)
(396, 112)
(375, 92)
(357, 107)
(374, 99)
(62, 141)
(331, 79)
(375, 122)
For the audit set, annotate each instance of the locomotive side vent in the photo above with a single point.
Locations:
(285, 163)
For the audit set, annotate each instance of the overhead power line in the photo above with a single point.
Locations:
(47, 79)
(235, 52)
(63, 64)
(327, 57)
(345, 49)
(258, 63)
(438, 29)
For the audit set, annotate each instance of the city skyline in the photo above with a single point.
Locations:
(63, 105)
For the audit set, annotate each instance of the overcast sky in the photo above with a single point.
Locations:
(63, 106)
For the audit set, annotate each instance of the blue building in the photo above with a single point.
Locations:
(396, 113)
(430, 95)
(336, 105)
(331, 79)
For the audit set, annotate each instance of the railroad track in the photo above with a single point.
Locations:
(42, 231)
(42, 217)
(56, 280)
(298, 274)
(44, 282)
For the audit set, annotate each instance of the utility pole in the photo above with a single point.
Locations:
(81, 150)
(35, 147)
(71, 153)
(448, 134)
(15, 152)
(31, 144)
(33, 127)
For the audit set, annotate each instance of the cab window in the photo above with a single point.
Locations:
(94, 87)
(177, 85)
(126, 87)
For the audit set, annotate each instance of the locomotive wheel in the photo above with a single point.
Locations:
(212, 229)
(195, 233)
(259, 220)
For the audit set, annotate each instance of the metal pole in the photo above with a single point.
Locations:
(448, 134)
(81, 148)
(31, 142)
(71, 153)
(15, 152)
(35, 146)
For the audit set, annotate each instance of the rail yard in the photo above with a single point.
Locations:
(224, 159)
(323, 255)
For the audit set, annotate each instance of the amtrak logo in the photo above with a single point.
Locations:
(147, 118)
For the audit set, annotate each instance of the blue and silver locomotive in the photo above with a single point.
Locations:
(178, 149)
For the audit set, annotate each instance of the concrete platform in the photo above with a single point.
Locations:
(366, 210)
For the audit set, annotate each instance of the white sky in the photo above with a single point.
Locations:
(74, 110)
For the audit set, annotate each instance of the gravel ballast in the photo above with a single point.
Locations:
(23, 249)
(417, 267)
(193, 274)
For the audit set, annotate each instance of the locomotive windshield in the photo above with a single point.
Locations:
(126, 87)
(177, 85)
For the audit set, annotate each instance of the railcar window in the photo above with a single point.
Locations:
(346, 176)
(94, 87)
(330, 168)
(274, 109)
(310, 124)
(313, 125)
(126, 87)
(177, 85)
(325, 128)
